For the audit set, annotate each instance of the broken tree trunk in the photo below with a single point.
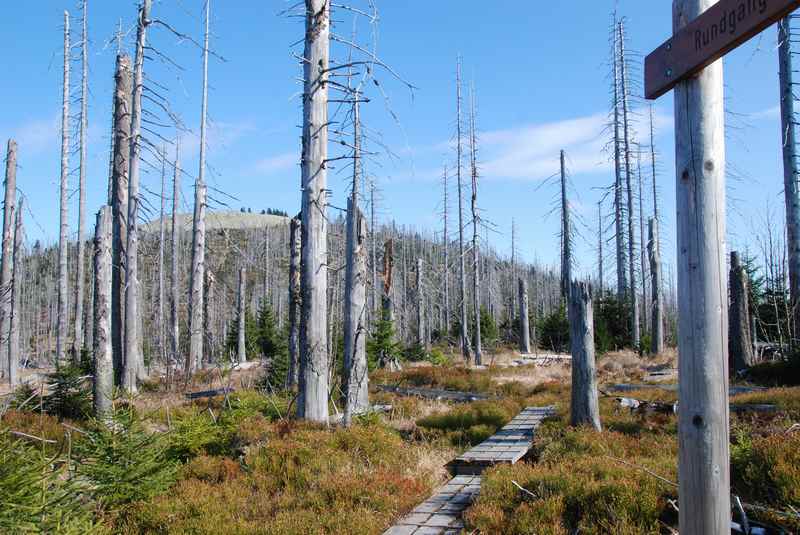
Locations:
(524, 328)
(313, 404)
(103, 357)
(241, 349)
(355, 308)
(704, 462)
(119, 208)
(740, 348)
(585, 408)
(77, 341)
(7, 259)
(294, 303)
(16, 298)
(657, 301)
(209, 325)
(790, 172)
(63, 239)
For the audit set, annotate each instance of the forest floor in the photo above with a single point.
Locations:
(239, 464)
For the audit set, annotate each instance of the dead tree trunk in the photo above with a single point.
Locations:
(77, 341)
(566, 248)
(241, 348)
(657, 301)
(294, 303)
(6, 267)
(642, 248)
(119, 207)
(462, 280)
(63, 240)
(475, 221)
(355, 308)
(209, 325)
(524, 327)
(446, 260)
(634, 296)
(134, 360)
(162, 234)
(16, 298)
(600, 259)
(103, 356)
(740, 348)
(314, 272)
(790, 171)
(388, 361)
(197, 274)
(704, 461)
(175, 236)
(585, 408)
(619, 227)
(421, 328)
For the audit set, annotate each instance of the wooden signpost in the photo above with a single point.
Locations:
(721, 28)
(703, 31)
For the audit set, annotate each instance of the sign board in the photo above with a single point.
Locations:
(721, 28)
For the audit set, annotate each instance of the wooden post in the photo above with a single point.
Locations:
(740, 347)
(704, 461)
(63, 239)
(241, 349)
(314, 270)
(103, 358)
(119, 208)
(524, 327)
(16, 298)
(657, 301)
(790, 172)
(294, 303)
(8, 252)
(585, 409)
(355, 309)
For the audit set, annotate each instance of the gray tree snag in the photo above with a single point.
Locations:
(162, 234)
(294, 303)
(133, 368)
(63, 239)
(704, 462)
(585, 408)
(77, 341)
(119, 209)
(524, 327)
(619, 227)
(6, 267)
(476, 294)
(421, 327)
(446, 251)
(209, 326)
(355, 309)
(197, 273)
(16, 298)
(657, 299)
(462, 279)
(790, 171)
(600, 259)
(102, 350)
(566, 247)
(633, 295)
(241, 348)
(175, 243)
(314, 271)
(740, 347)
(643, 248)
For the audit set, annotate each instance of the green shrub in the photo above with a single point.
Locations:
(70, 393)
(612, 328)
(553, 331)
(471, 424)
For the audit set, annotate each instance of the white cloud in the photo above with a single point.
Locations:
(275, 164)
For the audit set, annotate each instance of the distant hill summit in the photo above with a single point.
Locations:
(230, 220)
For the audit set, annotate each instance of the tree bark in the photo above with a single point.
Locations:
(63, 240)
(241, 348)
(16, 298)
(462, 280)
(524, 327)
(162, 234)
(657, 301)
(421, 327)
(475, 219)
(77, 341)
(175, 243)
(209, 327)
(314, 271)
(355, 308)
(740, 347)
(619, 227)
(103, 356)
(566, 249)
(446, 260)
(704, 463)
(119, 207)
(6, 267)
(295, 302)
(585, 408)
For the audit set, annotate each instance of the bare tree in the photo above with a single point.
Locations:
(585, 408)
(209, 324)
(162, 221)
(422, 340)
(740, 348)
(78, 342)
(473, 145)
(355, 329)
(6, 268)
(657, 301)
(465, 349)
(446, 250)
(619, 228)
(313, 402)
(63, 240)
(524, 328)
(600, 259)
(294, 302)
(566, 233)
(241, 349)
(175, 243)
(103, 358)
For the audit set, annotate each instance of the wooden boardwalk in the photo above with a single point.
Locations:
(433, 393)
(508, 445)
(441, 513)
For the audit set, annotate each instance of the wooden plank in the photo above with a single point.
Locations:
(721, 28)
(433, 393)
(441, 513)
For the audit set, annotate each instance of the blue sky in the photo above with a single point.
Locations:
(540, 70)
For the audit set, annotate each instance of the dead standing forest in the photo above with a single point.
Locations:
(322, 369)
